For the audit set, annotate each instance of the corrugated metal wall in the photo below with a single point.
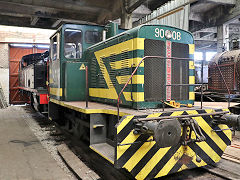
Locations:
(174, 13)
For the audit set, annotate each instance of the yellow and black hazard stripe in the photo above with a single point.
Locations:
(145, 160)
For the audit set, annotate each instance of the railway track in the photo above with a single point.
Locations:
(104, 170)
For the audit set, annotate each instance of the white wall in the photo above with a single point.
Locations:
(4, 80)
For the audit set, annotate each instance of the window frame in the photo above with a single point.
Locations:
(57, 35)
(80, 30)
(91, 31)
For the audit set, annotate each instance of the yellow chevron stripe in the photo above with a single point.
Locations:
(136, 79)
(103, 93)
(129, 139)
(140, 153)
(191, 153)
(191, 48)
(205, 126)
(191, 65)
(209, 151)
(191, 79)
(176, 113)
(182, 168)
(152, 163)
(137, 96)
(130, 45)
(123, 123)
(110, 93)
(154, 115)
(228, 133)
(169, 165)
(191, 96)
(126, 63)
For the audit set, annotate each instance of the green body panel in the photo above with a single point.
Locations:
(112, 30)
(75, 81)
(146, 32)
(98, 70)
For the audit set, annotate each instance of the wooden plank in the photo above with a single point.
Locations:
(225, 168)
(79, 168)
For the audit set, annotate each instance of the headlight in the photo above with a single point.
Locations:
(168, 34)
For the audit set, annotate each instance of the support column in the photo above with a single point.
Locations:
(226, 36)
(204, 55)
(220, 39)
(223, 38)
(126, 20)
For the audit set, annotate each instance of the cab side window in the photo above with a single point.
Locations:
(72, 44)
(55, 47)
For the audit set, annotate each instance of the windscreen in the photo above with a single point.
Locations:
(72, 44)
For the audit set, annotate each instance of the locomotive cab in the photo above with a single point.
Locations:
(67, 61)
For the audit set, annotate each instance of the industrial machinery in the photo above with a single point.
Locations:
(33, 79)
(128, 94)
(224, 79)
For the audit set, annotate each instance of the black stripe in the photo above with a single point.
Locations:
(201, 153)
(144, 160)
(212, 144)
(163, 161)
(191, 165)
(184, 113)
(166, 114)
(176, 167)
(187, 160)
(209, 140)
(127, 129)
(221, 134)
(131, 150)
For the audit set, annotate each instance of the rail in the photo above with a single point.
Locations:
(135, 70)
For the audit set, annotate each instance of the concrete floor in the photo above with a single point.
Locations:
(21, 154)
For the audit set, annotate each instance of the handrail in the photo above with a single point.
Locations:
(224, 82)
(145, 57)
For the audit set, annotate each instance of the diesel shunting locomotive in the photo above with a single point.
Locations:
(128, 94)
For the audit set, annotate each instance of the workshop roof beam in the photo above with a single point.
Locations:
(230, 2)
(131, 5)
(34, 21)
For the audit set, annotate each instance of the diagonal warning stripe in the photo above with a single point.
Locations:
(171, 162)
(163, 161)
(152, 163)
(147, 160)
(208, 130)
(124, 122)
(131, 138)
(142, 151)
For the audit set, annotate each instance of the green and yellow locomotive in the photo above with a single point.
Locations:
(139, 84)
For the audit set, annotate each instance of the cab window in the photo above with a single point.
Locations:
(55, 47)
(92, 37)
(72, 44)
